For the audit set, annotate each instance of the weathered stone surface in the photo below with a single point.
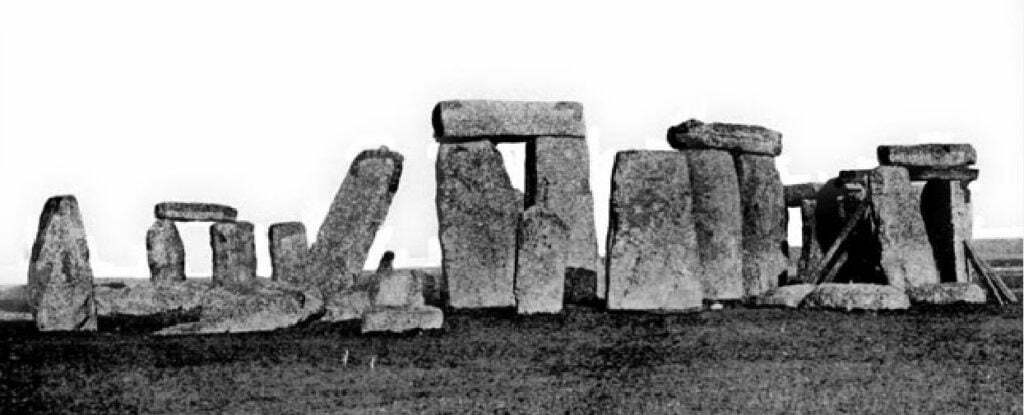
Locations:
(359, 208)
(558, 179)
(540, 266)
(653, 261)
(946, 211)
(958, 174)
(149, 298)
(718, 222)
(59, 274)
(195, 212)
(165, 252)
(765, 248)
(397, 289)
(795, 194)
(857, 297)
(469, 120)
(478, 213)
(693, 134)
(927, 155)
(289, 252)
(785, 296)
(234, 252)
(810, 251)
(435, 288)
(346, 305)
(906, 255)
(948, 293)
(581, 285)
(397, 320)
(253, 306)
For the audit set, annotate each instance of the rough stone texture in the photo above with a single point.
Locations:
(397, 320)
(927, 155)
(234, 252)
(948, 293)
(359, 208)
(289, 251)
(254, 306)
(857, 297)
(946, 210)
(149, 298)
(653, 261)
(718, 222)
(957, 174)
(785, 296)
(469, 120)
(810, 251)
(580, 286)
(346, 305)
(59, 274)
(435, 288)
(478, 213)
(906, 255)
(195, 212)
(165, 252)
(540, 264)
(558, 179)
(397, 289)
(693, 134)
(765, 248)
(795, 194)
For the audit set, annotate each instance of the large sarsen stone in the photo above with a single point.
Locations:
(469, 120)
(693, 134)
(765, 248)
(718, 222)
(59, 275)
(165, 252)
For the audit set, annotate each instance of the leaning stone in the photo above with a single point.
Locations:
(540, 264)
(289, 251)
(785, 296)
(254, 306)
(59, 274)
(765, 247)
(359, 208)
(149, 298)
(234, 252)
(469, 120)
(346, 305)
(927, 155)
(906, 255)
(957, 173)
(797, 193)
(718, 220)
(857, 297)
(947, 293)
(694, 134)
(810, 250)
(195, 212)
(653, 262)
(478, 213)
(165, 252)
(397, 320)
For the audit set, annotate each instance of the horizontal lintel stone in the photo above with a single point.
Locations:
(927, 155)
(195, 212)
(694, 134)
(958, 174)
(795, 194)
(469, 120)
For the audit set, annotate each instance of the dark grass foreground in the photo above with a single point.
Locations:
(948, 360)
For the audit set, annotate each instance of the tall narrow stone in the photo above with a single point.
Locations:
(653, 261)
(288, 251)
(477, 212)
(165, 252)
(359, 208)
(906, 255)
(810, 249)
(234, 252)
(718, 220)
(59, 275)
(558, 179)
(765, 248)
(946, 211)
(540, 263)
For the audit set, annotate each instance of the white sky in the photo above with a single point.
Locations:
(262, 105)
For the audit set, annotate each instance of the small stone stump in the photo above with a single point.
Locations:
(60, 284)
(289, 251)
(234, 252)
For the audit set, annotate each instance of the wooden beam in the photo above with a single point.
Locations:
(851, 223)
(834, 270)
(993, 280)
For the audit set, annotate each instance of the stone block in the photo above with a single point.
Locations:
(252, 306)
(59, 275)
(857, 297)
(470, 120)
(959, 174)
(765, 220)
(398, 320)
(927, 155)
(195, 212)
(795, 194)
(540, 263)
(165, 252)
(790, 296)
(694, 134)
(906, 255)
(947, 293)
(718, 222)
(234, 252)
(289, 252)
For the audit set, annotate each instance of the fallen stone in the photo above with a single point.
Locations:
(165, 252)
(785, 296)
(857, 297)
(346, 305)
(478, 213)
(149, 298)
(927, 155)
(359, 208)
(289, 252)
(947, 293)
(718, 219)
(234, 252)
(397, 320)
(653, 262)
(797, 193)
(694, 134)
(59, 274)
(810, 251)
(906, 255)
(765, 221)
(958, 174)
(469, 120)
(540, 266)
(195, 212)
(249, 307)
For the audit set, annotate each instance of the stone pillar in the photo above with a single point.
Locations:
(718, 222)
(289, 251)
(60, 285)
(946, 210)
(165, 252)
(234, 252)
(810, 250)
(544, 242)
(963, 227)
(765, 247)
(906, 255)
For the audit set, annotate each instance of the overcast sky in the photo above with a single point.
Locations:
(263, 105)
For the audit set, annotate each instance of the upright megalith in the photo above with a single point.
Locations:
(195, 212)
(355, 215)
(289, 251)
(59, 275)
(165, 252)
(765, 248)
(478, 213)
(234, 252)
(694, 134)
(906, 256)
(653, 261)
(810, 250)
(540, 263)
(718, 222)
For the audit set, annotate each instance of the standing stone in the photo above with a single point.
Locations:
(540, 264)
(810, 250)
(359, 208)
(387, 263)
(195, 212)
(694, 134)
(59, 276)
(288, 251)
(718, 220)
(558, 179)
(477, 212)
(234, 252)
(927, 155)
(765, 248)
(906, 256)
(165, 252)
(946, 211)
(653, 261)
